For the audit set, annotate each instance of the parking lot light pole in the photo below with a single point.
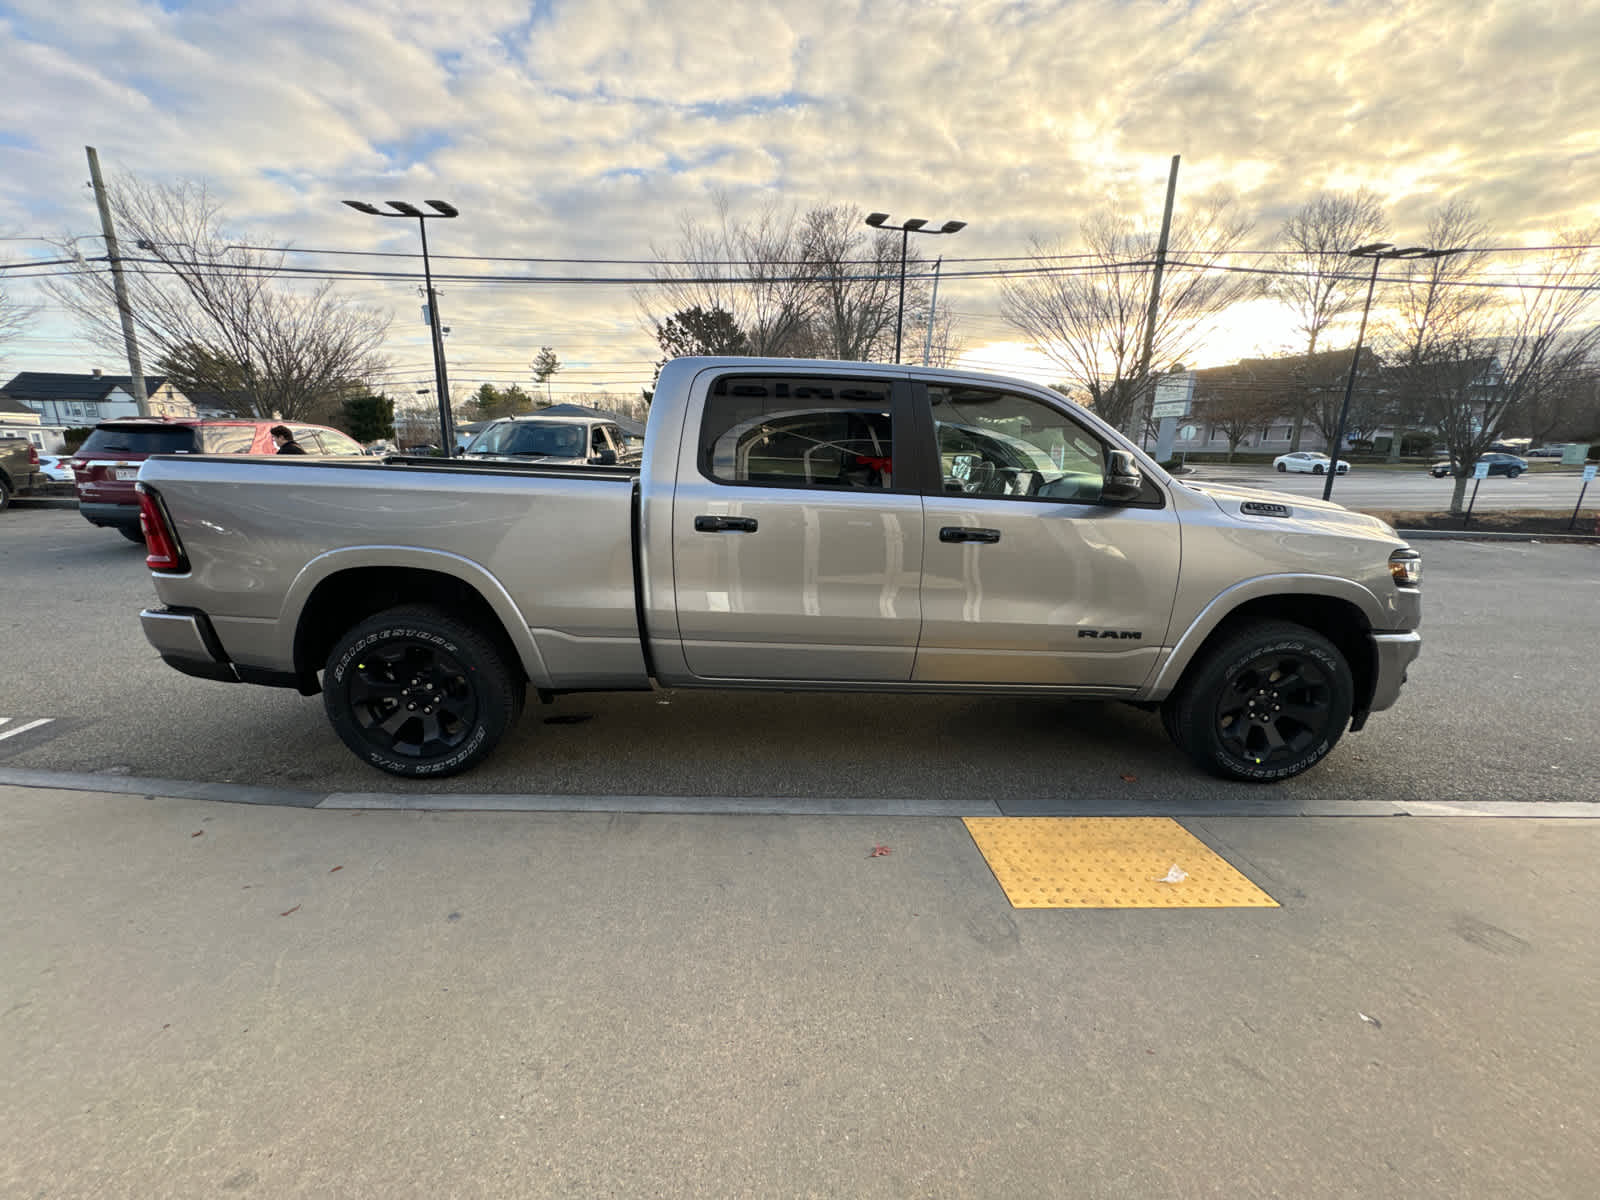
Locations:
(441, 210)
(1377, 252)
(879, 220)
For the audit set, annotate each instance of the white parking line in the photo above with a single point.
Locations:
(4, 734)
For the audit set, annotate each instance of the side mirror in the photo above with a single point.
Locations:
(606, 458)
(1124, 481)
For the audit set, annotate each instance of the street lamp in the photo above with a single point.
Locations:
(1377, 252)
(879, 220)
(403, 208)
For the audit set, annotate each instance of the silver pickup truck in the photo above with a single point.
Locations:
(794, 524)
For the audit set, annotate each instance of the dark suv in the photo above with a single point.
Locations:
(107, 464)
(1500, 463)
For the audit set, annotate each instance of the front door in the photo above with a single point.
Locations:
(1029, 578)
(797, 547)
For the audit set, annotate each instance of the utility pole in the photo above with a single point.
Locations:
(933, 307)
(130, 336)
(1135, 428)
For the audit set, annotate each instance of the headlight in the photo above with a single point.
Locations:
(1406, 568)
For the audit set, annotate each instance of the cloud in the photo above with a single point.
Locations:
(589, 128)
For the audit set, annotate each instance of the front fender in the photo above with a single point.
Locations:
(1230, 599)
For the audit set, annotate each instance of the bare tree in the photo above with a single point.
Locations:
(856, 297)
(223, 317)
(753, 270)
(14, 317)
(1088, 313)
(1314, 278)
(812, 284)
(1474, 354)
(1236, 404)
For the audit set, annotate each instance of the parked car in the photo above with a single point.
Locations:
(1499, 462)
(107, 464)
(1554, 450)
(1308, 461)
(19, 468)
(553, 439)
(56, 467)
(856, 527)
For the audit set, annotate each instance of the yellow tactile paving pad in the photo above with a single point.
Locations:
(1108, 862)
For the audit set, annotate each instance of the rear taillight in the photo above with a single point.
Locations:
(33, 456)
(163, 552)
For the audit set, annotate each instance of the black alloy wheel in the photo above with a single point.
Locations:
(1317, 469)
(416, 692)
(1263, 704)
(1282, 467)
(1513, 472)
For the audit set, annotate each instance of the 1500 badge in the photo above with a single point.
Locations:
(1122, 634)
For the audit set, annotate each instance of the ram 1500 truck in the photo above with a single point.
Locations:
(794, 524)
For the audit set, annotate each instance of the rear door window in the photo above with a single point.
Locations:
(334, 442)
(228, 439)
(169, 439)
(799, 432)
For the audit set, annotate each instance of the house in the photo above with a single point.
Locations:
(18, 420)
(63, 400)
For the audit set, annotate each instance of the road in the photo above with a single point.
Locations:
(205, 999)
(1414, 491)
(1501, 706)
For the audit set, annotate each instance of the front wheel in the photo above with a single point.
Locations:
(1514, 472)
(1282, 467)
(1317, 470)
(418, 693)
(1264, 703)
(5, 495)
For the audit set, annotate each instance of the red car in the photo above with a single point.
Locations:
(107, 464)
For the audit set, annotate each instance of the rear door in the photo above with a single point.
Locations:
(1029, 578)
(797, 545)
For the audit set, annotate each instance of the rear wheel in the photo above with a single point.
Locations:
(132, 532)
(1317, 470)
(418, 693)
(1282, 467)
(1264, 703)
(1513, 472)
(5, 495)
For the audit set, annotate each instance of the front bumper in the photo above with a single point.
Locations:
(1393, 653)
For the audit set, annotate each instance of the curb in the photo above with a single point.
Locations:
(1247, 802)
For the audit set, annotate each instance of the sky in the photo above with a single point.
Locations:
(592, 129)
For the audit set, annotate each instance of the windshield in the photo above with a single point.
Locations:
(531, 438)
(173, 439)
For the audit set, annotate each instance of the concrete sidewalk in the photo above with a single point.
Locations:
(206, 999)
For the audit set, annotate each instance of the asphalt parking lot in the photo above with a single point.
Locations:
(801, 968)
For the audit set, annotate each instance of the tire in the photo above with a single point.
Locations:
(1513, 472)
(132, 532)
(420, 659)
(5, 495)
(1282, 467)
(1273, 663)
(1317, 470)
